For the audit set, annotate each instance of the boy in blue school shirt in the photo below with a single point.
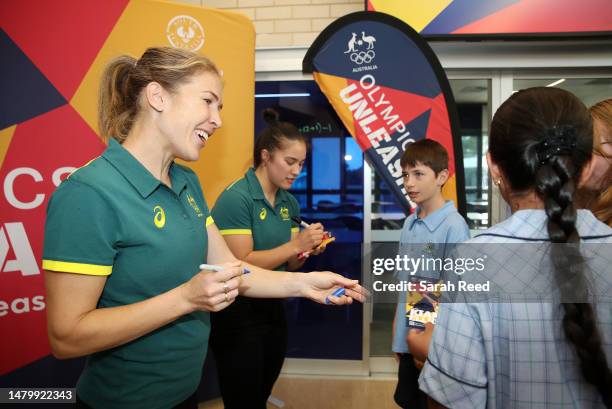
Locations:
(433, 224)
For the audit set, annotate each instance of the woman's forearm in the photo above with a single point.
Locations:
(104, 328)
(263, 283)
(294, 263)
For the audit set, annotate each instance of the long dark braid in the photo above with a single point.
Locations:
(555, 184)
(549, 132)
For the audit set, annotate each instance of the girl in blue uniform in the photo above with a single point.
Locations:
(529, 354)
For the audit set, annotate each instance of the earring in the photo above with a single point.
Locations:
(498, 182)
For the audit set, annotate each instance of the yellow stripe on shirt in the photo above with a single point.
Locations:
(77, 268)
(230, 232)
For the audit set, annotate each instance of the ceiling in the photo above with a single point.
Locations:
(589, 90)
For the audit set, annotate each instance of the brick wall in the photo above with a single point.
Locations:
(286, 22)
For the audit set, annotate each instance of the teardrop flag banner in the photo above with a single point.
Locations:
(389, 89)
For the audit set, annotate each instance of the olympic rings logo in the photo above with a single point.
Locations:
(363, 57)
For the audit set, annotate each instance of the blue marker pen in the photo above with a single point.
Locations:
(339, 292)
(213, 267)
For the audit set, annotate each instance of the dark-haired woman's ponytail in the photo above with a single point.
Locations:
(271, 116)
(555, 183)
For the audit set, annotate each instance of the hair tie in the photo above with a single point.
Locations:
(271, 117)
(559, 140)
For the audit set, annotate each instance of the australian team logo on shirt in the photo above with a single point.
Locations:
(284, 213)
(194, 205)
(263, 213)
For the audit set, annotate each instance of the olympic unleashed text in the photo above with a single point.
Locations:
(375, 117)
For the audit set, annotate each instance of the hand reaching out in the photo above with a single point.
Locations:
(319, 286)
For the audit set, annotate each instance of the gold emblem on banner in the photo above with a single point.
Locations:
(185, 32)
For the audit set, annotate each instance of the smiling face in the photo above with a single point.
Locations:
(284, 165)
(422, 184)
(191, 114)
(600, 178)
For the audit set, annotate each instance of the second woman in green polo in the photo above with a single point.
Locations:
(255, 216)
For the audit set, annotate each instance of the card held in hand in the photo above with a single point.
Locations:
(422, 305)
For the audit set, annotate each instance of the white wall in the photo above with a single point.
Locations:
(286, 23)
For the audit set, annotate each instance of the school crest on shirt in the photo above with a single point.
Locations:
(284, 213)
(194, 205)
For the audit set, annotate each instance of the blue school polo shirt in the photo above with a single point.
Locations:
(444, 225)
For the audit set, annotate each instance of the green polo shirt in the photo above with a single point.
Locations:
(113, 218)
(243, 209)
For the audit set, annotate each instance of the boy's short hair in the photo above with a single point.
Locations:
(427, 152)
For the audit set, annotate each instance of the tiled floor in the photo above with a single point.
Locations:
(329, 393)
(335, 393)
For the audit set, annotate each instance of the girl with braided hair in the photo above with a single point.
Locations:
(532, 355)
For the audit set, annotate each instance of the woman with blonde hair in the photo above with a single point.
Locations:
(125, 236)
(596, 195)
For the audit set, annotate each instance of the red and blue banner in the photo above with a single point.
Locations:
(505, 18)
(389, 90)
